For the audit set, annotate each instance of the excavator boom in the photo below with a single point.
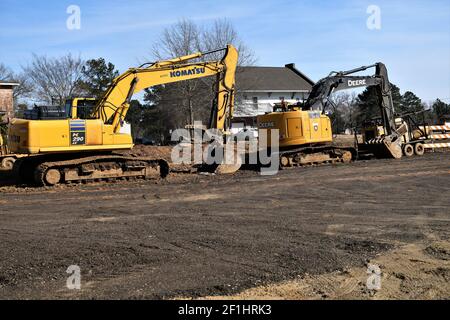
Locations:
(113, 107)
(336, 81)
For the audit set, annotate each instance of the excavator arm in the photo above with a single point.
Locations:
(79, 149)
(336, 81)
(113, 107)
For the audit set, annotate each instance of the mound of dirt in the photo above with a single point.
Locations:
(344, 140)
(159, 152)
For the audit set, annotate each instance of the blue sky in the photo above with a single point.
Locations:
(319, 36)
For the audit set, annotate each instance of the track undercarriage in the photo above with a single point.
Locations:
(315, 155)
(52, 170)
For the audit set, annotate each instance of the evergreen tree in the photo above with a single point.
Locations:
(396, 98)
(97, 75)
(440, 109)
(369, 104)
(410, 103)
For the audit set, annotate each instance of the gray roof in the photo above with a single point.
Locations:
(272, 79)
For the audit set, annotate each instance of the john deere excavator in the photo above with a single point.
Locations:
(305, 130)
(76, 143)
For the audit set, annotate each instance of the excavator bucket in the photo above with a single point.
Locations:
(227, 169)
(231, 162)
(393, 143)
(386, 147)
(394, 149)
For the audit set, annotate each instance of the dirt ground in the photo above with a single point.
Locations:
(307, 233)
(412, 271)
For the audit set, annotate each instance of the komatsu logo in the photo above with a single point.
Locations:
(189, 72)
(354, 83)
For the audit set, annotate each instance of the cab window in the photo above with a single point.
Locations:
(85, 109)
(68, 108)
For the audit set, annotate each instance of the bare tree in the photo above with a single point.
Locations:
(180, 39)
(24, 88)
(222, 33)
(5, 73)
(186, 37)
(55, 79)
(193, 98)
(344, 108)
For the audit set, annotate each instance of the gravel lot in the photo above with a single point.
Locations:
(303, 233)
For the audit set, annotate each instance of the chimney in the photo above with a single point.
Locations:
(290, 66)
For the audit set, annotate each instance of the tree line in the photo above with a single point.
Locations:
(51, 81)
(351, 110)
(166, 107)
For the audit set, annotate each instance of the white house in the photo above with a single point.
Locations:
(260, 88)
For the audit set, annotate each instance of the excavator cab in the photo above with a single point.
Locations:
(81, 108)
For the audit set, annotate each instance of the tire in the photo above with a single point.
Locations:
(408, 150)
(419, 149)
(52, 177)
(8, 163)
(285, 162)
(347, 157)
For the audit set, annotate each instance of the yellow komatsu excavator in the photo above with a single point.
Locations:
(77, 144)
(305, 130)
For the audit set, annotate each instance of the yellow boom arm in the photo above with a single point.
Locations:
(113, 107)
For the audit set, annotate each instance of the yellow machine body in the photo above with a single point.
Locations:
(101, 130)
(297, 128)
(49, 136)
